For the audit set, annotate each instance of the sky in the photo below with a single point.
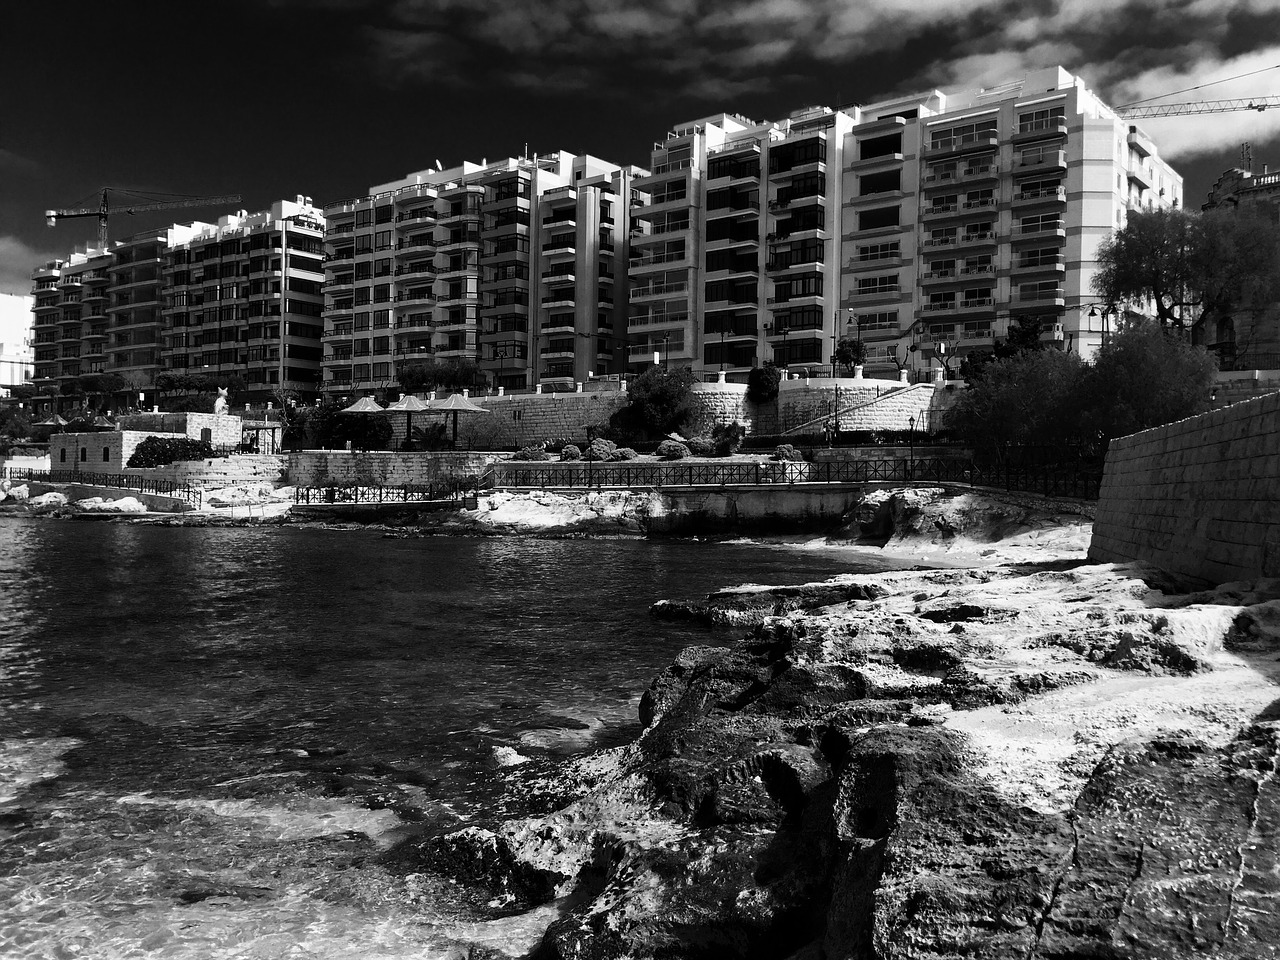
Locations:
(273, 98)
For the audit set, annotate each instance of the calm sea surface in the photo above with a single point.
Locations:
(209, 737)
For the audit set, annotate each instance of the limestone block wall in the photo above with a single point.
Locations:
(104, 452)
(927, 403)
(224, 429)
(517, 421)
(1199, 498)
(335, 467)
(220, 471)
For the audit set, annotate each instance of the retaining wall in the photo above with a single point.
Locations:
(106, 451)
(312, 468)
(224, 430)
(1199, 498)
(220, 471)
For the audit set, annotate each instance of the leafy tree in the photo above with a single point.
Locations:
(1192, 267)
(417, 376)
(851, 352)
(1029, 398)
(15, 423)
(659, 401)
(1143, 377)
(365, 431)
(762, 382)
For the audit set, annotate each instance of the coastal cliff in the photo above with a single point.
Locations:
(1035, 760)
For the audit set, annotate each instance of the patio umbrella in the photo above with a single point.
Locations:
(101, 421)
(54, 421)
(457, 404)
(410, 405)
(363, 405)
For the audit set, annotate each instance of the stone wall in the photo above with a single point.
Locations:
(517, 421)
(224, 429)
(926, 403)
(1199, 498)
(104, 452)
(220, 471)
(313, 468)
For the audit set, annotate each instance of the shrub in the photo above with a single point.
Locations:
(701, 447)
(531, 453)
(762, 383)
(728, 438)
(786, 451)
(672, 450)
(659, 402)
(159, 451)
(570, 452)
(600, 450)
(623, 453)
(557, 444)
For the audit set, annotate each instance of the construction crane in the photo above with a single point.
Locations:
(102, 210)
(1198, 106)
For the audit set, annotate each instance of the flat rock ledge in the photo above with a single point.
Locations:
(1022, 762)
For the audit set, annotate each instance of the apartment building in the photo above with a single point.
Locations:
(924, 225)
(71, 323)
(518, 265)
(735, 260)
(16, 346)
(967, 210)
(243, 298)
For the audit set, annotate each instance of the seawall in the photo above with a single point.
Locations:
(1199, 498)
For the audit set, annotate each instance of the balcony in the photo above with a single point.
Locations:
(659, 259)
(559, 321)
(939, 210)
(659, 290)
(939, 276)
(1034, 160)
(889, 291)
(982, 203)
(875, 199)
(965, 143)
(560, 222)
(1140, 176)
(976, 238)
(559, 279)
(344, 255)
(740, 208)
(560, 248)
(657, 318)
(1040, 298)
(885, 160)
(1048, 127)
(563, 299)
(1041, 195)
(1040, 264)
(1140, 142)
(976, 305)
(1049, 230)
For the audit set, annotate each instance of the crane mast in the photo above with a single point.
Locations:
(103, 210)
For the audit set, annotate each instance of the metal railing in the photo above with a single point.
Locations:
(119, 481)
(1049, 480)
(379, 493)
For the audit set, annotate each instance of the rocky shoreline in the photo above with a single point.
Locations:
(1042, 759)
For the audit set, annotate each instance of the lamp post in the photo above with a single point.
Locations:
(1107, 311)
(666, 353)
(911, 446)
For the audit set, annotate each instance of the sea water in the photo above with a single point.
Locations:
(210, 738)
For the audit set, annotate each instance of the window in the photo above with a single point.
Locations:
(888, 283)
(62, 455)
(84, 454)
(364, 271)
(1041, 119)
(1043, 290)
(880, 251)
(382, 240)
(880, 146)
(962, 133)
(880, 217)
(106, 454)
(383, 214)
(364, 218)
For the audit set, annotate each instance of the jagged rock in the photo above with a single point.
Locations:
(854, 780)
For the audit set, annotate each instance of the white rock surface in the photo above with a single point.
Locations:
(102, 505)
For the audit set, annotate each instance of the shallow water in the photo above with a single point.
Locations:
(208, 736)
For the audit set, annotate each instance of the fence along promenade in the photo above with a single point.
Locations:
(115, 481)
(1048, 480)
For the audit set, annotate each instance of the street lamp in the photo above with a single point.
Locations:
(911, 445)
(666, 353)
(1107, 311)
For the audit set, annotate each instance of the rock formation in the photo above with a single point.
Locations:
(1031, 761)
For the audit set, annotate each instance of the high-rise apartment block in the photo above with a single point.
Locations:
(519, 265)
(923, 225)
(244, 297)
(241, 297)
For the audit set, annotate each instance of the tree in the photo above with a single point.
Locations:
(1145, 376)
(417, 376)
(762, 382)
(1029, 398)
(1192, 267)
(659, 401)
(851, 352)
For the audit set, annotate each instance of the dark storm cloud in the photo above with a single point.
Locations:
(720, 50)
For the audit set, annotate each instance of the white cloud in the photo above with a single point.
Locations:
(17, 260)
